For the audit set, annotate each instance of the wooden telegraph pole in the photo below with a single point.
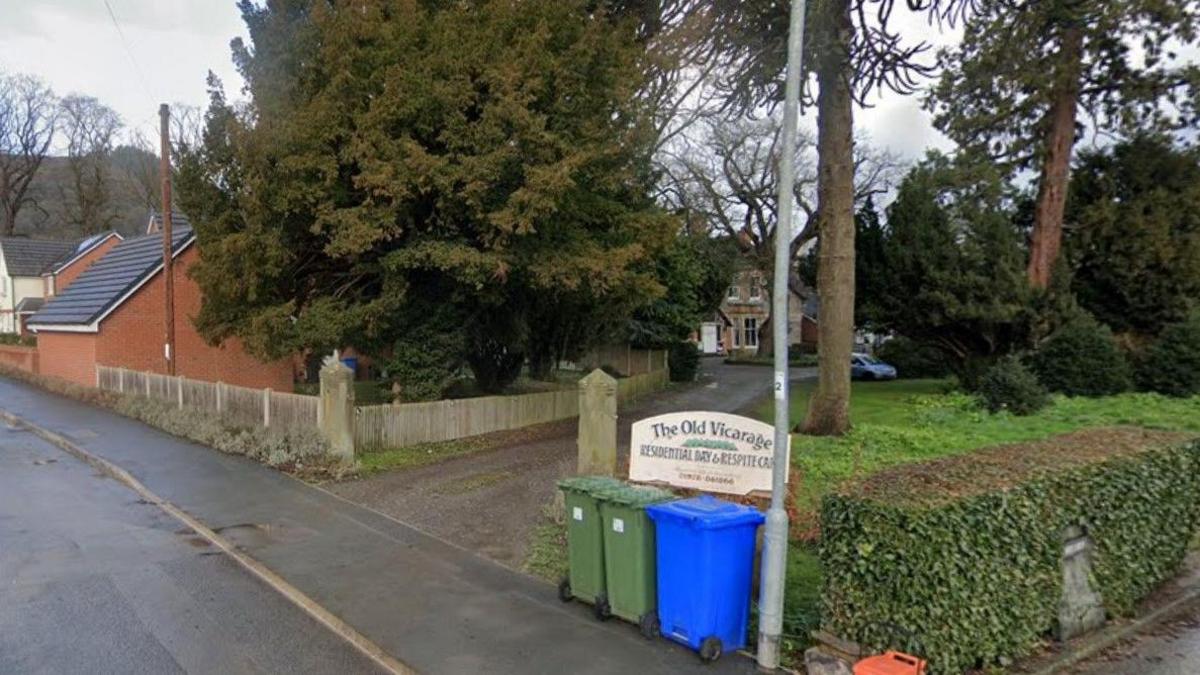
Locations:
(164, 165)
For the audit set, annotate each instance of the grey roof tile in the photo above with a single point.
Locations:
(178, 219)
(29, 257)
(76, 248)
(108, 280)
(27, 305)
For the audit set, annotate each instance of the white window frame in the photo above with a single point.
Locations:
(755, 288)
(734, 293)
(737, 336)
(750, 327)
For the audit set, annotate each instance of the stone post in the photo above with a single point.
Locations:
(337, 407)
(1081, 609)
(598, 424)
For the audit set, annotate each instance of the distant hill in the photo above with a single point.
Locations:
(130, 204)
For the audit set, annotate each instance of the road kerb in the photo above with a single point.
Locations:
(258, 569)
(1108, 637)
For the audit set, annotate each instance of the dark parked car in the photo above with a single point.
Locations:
(867, 367)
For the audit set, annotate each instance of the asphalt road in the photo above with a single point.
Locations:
(94, 581)
(1170, 647)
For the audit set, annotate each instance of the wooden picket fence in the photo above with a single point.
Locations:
(394, 426)
(397, 426)
(242, 405)
(630, 389)
(626, 360)
(375, 426)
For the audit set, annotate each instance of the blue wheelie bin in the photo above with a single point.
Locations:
(705, 562)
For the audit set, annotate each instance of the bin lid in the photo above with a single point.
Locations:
(706, 512)
(635, 495)
(589, 485)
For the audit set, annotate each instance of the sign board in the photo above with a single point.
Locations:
(710, 451)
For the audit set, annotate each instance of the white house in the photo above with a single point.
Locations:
(31, 269)
(22, 262)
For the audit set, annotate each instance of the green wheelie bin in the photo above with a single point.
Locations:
(585, 542)
(629, 554)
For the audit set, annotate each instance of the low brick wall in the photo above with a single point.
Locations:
(25, 358)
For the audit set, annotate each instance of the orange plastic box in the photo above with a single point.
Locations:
(890, 663)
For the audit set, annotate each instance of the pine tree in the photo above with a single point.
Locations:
(1028, 75)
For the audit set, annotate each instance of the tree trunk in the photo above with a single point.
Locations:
(766, 339)
(829, 409)
(8, 221)
(541, 364)
(1046, 241)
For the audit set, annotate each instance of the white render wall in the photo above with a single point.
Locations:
(6, 299)
(12, 291)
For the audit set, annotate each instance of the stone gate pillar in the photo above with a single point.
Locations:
(337, 407)
(598, 424)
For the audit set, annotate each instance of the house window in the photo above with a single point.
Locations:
(733, 293)
(750, 327)
(737, 336)
(755, 288)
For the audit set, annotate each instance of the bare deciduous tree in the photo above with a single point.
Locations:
(137, 158)
(28, 115)
(91, 129)
(724, 174)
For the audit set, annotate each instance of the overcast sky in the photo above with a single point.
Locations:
(159, 51)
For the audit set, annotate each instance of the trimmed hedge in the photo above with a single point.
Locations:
(959, 559)
(18, 340)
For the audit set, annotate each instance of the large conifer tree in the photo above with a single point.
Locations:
(490, 154)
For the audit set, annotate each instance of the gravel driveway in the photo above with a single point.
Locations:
(490, 501)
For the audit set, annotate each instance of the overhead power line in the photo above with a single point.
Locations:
(137, 69)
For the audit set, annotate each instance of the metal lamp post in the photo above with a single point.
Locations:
(774, 564)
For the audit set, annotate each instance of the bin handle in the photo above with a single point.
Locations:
(904, 658)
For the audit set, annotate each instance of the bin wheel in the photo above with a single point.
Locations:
(564, 590)
(649, 626)
(602, 609)
(710, 649)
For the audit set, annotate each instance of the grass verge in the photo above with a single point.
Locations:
(376, 461)
(906, 421)
(300, 452)
(547, 556)
(393, 459)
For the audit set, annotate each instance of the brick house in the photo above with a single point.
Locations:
(743, 312)
(113, 315)
(29, 269)
(59, 275)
